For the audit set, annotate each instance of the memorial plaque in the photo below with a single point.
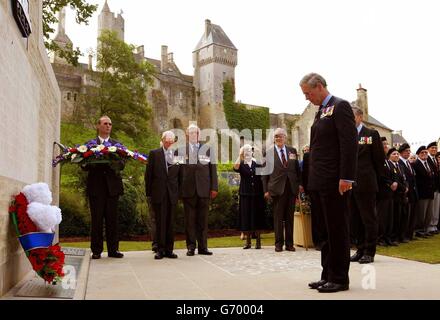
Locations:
(37, 288)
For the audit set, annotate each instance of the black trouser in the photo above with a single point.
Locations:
(385, 217)
(164, 218)
(104, 208)
(196, 222)
(152, 224)
(363, 212)
(332, 226)
(411, 220)
(283, 208)
(400, 218)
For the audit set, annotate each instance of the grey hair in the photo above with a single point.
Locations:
(245, 147)
(358, 111)
(280, 130)
(312, 80)
(193, 127)
(168, 134)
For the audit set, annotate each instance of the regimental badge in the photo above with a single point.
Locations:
(366, 140)
(292, 156)
(327, 112)
(395, 171)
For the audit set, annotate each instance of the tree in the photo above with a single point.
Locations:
(119, 87)
(83, 11)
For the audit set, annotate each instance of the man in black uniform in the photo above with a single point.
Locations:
(333, 157)
(409, 209)
(363, 200)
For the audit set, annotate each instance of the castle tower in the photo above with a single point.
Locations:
(214, 62)
(362, 100)
(107, 20)
(61, 39)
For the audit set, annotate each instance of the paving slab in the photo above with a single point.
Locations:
(234, 273)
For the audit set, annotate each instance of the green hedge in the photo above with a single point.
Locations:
(238, 117)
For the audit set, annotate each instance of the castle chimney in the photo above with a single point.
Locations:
(90, 61)
(362, 100)
(207, 28)
(164, 59)
(171, 57)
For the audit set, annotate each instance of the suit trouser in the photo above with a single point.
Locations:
(164, 217)
(412, 213)
(152, 223)
(196, 222)
(385, 209)
(363, 211)
(435, 212)
(400, 219)
(104, 208)
(424, 210)
(283, 208)
(333, 214)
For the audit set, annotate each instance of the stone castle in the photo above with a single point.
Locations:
(176, 98)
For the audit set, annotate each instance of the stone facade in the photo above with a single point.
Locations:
(30, 113)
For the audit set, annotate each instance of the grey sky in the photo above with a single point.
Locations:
(391, 47)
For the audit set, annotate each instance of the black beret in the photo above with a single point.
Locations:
(421, 149)
(383, 138)
(403, 147)
(432, 144)
(391, 151)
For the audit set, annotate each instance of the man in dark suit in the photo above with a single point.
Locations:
(333, 157)
(409, 208)
(104, 186)
(282, 186)
(370, 161)
(432, 149)
(425, 187)
(162, 191)
(199, 185)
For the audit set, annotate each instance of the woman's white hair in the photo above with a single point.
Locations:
(245, 147)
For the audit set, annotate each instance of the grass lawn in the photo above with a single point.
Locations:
(424, 250)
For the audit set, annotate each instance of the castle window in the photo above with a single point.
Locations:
(68, 96)
(74, 96)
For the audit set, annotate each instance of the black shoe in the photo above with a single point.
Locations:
(332, 287)
(317, 284)
(247, 246)
(116, 254)
(278, 249)
(96, 256)
(170, 255)
(404, 240)
(382, 244)
(366, 259)
(154, 249)
(205, 252)
(393, 243)
(190, 253)
(356, 256)
(158, 255)
(292, 248)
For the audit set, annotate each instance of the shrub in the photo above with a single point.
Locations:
(75, 211)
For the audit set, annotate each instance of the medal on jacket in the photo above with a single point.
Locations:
(365, 140)
(327, 112)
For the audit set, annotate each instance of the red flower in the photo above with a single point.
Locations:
(73, 150)
(87, 154)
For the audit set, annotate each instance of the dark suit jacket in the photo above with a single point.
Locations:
(333, 147)
(385, 182)
(400, 178)
(198, 179)
(102, 179)
(158, 181)
(411, 180)
(436, 173)
(425, 182)
(369, 161)
(305, 171)
(276, 181)
(250, 183)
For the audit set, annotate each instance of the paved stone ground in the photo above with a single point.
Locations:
(234, 273)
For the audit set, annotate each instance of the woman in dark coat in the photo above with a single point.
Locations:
(251, 204)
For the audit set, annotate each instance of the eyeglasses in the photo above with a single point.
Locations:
(107, 123)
